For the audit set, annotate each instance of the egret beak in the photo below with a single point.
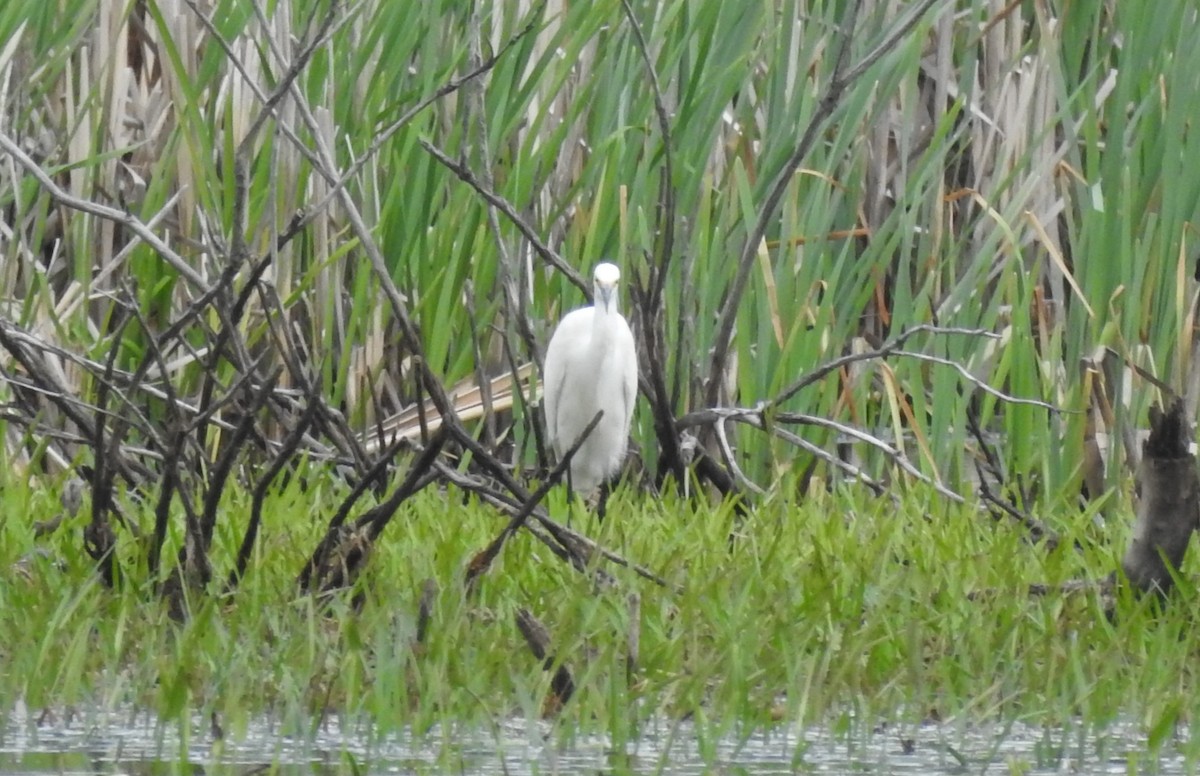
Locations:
(605, 296)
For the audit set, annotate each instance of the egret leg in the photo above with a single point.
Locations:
(602, 500)
(572, 497)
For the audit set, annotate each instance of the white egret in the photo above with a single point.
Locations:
(591, 365)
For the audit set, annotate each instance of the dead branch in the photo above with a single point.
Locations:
(887, 349)
(302, 219)
(270, 102)
(565, 542)
(343, 552)
(287, 451)
(562, 686)
(429, 593)
(483, 559)
(843, 76)
(120, 217)
(99, 538)
(990, 470)
(548, 254)
(516, 309)
(995, 393)
(633, 635)
(649, 291)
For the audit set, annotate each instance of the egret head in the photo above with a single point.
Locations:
(606, 277)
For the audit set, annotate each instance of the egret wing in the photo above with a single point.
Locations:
(572, 333)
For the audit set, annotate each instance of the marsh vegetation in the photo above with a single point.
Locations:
(905, 280)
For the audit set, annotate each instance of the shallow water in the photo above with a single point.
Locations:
(126, 741)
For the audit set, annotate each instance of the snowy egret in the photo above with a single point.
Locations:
(591, 365)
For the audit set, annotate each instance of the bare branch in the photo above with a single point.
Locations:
(550, 255)
(975, 381)
(483, 560)
(842, 77)
(124, 218)
(884, 351)
(731, 461)
(451, 86)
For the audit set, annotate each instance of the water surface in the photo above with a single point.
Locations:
(97, 741)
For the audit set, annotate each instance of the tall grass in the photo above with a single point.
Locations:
(1006, 168)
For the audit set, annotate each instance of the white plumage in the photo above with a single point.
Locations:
(591, 365)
